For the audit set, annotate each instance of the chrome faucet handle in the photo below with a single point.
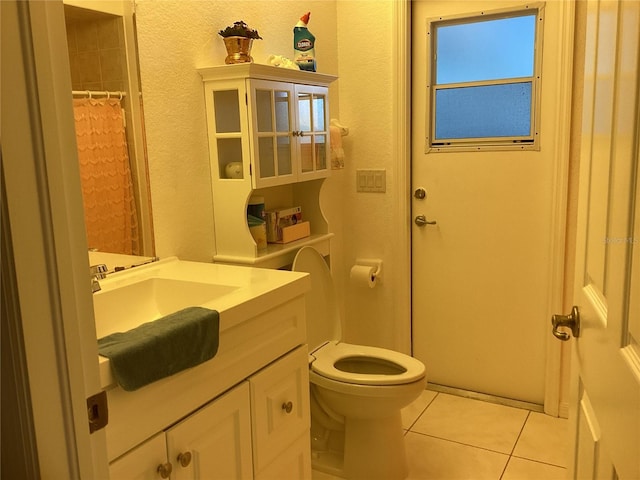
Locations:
(98, 271)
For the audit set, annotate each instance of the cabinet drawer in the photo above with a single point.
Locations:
(280, 406)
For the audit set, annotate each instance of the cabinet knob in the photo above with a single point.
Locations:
(164, 470)
(287, 407)
(184, 459)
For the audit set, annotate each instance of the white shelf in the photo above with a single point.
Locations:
(279, 255)
(264, 72)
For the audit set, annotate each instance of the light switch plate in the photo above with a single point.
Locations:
(371, 181)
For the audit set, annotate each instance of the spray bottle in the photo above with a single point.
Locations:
(303, 45)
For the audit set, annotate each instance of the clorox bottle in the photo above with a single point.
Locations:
(303, 45)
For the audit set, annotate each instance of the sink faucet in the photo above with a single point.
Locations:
(97, 272)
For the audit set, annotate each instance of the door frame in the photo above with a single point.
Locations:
(54, 342)
(556, 401)
(401, 63)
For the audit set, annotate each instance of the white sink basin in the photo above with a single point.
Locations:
(148, 292)
(123, 308)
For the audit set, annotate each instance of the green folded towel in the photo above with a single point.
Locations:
(160, 348)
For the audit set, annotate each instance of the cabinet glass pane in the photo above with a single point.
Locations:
(284, 156)
(321, 152)
(227, 111)
(306, 154)
(265, 154)
(263, 110)
(282, 111)
(304, 112)
(229, 150)
(318, 113)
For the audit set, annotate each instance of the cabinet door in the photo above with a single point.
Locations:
(214, 442)
(295, 464)
(280, 408)
(312, 115)
(227, 126)
(271, 111)
(142, 462)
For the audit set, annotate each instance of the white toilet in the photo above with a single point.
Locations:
(357, 392)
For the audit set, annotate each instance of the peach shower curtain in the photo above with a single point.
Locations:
(107, 188)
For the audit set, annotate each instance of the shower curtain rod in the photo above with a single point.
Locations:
(94, 93)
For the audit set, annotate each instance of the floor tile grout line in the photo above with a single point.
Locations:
(408, 429)
(515, 444)
(537, 461)
(458, 443)
(524, 424)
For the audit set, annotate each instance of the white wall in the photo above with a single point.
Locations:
(371, 224)
(176, 37)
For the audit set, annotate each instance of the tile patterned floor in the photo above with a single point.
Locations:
(452, 438)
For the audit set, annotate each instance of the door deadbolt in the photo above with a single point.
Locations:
(420, 193)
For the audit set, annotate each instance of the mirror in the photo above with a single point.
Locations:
(110, 126)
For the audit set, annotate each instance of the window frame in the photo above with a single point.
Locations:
(529, 142)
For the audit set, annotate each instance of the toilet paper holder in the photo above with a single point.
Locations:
(372, 262)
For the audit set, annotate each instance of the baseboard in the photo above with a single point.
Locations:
(509, 402)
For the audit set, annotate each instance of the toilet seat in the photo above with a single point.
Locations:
(385, 367)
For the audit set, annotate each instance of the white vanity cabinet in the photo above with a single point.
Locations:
(259, 429)
(268, 131)
(244, 413)
(281, 418)
(214, 441)
(141, 463)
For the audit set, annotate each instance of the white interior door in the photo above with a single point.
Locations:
(482, 275)
(606, 365)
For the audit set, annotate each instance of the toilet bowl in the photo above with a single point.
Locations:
(357, 391)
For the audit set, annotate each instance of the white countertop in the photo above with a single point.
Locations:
(239, 293)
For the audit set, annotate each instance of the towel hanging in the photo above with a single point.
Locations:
(344, 131)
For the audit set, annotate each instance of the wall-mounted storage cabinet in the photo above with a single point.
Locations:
(268, 127)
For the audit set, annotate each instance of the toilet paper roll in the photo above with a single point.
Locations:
(364, 275)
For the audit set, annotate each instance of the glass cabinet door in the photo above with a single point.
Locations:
(312, 110)
(272, 132)
(227, 131)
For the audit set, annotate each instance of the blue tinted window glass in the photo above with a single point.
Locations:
(484, 111)
(485, 50)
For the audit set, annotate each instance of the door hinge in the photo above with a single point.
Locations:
(97, 411)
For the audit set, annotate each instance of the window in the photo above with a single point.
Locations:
(484, 80)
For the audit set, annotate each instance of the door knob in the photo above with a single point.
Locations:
(571, 321)
(287, 407)
(421, 221)
(164, 470)
(184, 459)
